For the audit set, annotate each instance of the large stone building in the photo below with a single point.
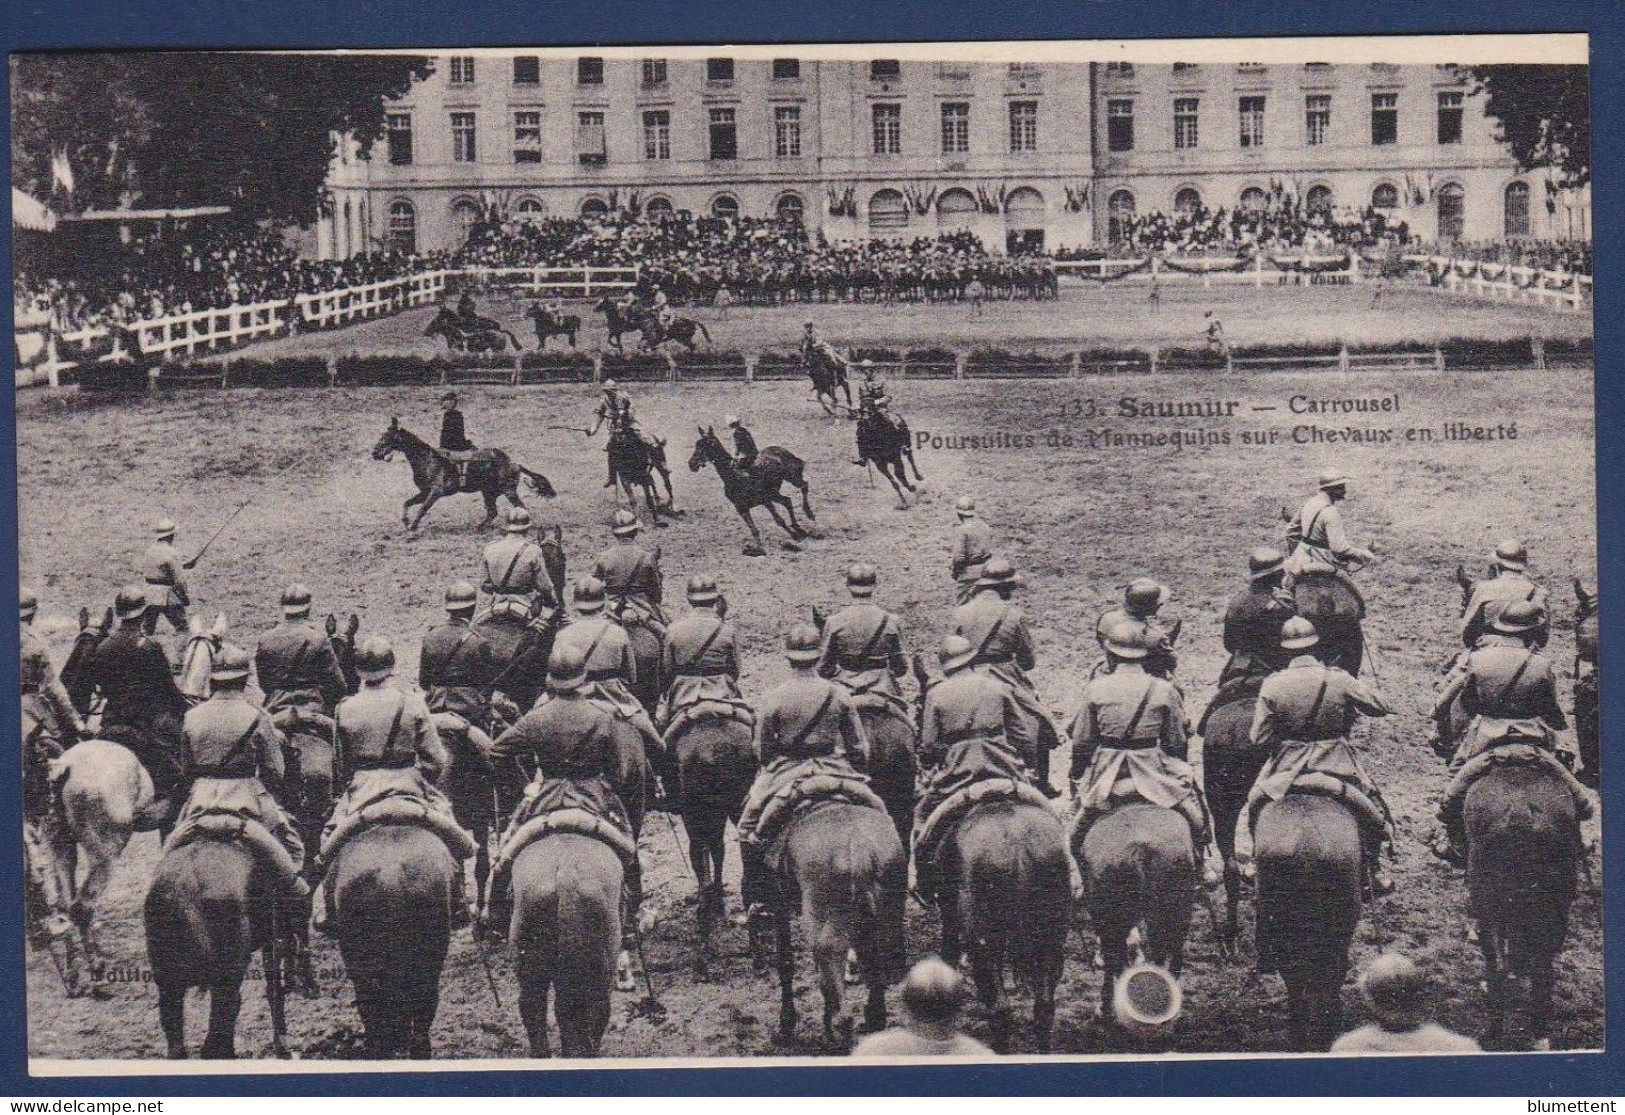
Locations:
(1025, 155)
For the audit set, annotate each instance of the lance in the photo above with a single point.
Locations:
(195, 558)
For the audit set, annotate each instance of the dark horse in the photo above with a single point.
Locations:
(482, 334)
(828, 374)
(207, 912)
(1335, 607)
(1308, 907)
(715, 766)
(1523, 845)
(1139, 870)
(1230, 765)
(759, 487)
(546, 325)
(1586, 737)
(893, 759)
(1012, 904)
(620, 322)
(521, 646)
(884, 443)
(490, 473)
(681, 330)
(393, 890)
(635, 463)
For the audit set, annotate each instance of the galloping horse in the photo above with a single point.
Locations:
(635, 463)
(546, 325)
(885, 444)
(679, 329)
(828, 373)
(620, 322)
(1012, 903)
(715, 766)
(760, 487)
(1230, 765)
(1523, 845)
(482, 334)
(489, 473)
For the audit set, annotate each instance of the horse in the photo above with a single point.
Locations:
(1523, 845)
(482, 334)
(490, 473)
(197, 659)
(893, 766)
(566, 933)
(828, 373)
(1139, 868)
(206, 913)
(80, 686)
(393, 889)
(1230, 766)
(521, 647)
(546, 325)
(759, 487)
(679, 329)
(47, 912)
(885, 444)
(716, 764)
(1012, 902)
(848, 866)
(1334, 606)
(1308, 906)
(634, 463)
(619, 322)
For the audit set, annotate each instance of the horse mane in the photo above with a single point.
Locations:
(411, 438)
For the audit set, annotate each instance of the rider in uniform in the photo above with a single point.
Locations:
(294, 662)
(1252, 622)
(1302, 719)
(612, 670)
(1131, 729)
(467, 312)
(699, 658)
(1142, 600)
(616, 409)
(1004, 647)
(1320, 544)
(162, 569)
(1508, 582)
(863, 642)
(454, 441)
(513, 568)
(631, 576)
(744, 442)
(456, 665)
(972, 547)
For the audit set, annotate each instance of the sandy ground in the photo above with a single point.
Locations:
(1080, 520)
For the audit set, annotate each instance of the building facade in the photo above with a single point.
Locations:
(1027, 156)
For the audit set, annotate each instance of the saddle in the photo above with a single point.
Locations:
(946, 817)
(822, 782)
(398, 809)
(704, 710)
(559, 805)
(235, 828)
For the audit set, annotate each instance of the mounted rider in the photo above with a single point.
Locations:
(456, 666)
(1252, 622)
(998, 631)
(1302, 718)
(1509, 689)
(468, 314)
(1507, 583)
(454, 441)
(232, 766)
(699, 663)
(1319, 542)
(612, 669)
(295, 663)
(1129, 741)
(385, 745)
(513, 569)
(1143, 598)
(49, 722)
(616, 409)
(660, 308)
(631, 577)
(973, 546)
(970, 727)
(810, 743)
(862, 645)
(132, 675)
(162, 568)
(745, 451)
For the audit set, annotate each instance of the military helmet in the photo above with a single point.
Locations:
(610, 385)
(589, 595)
(996, 572)
(130, 602)
(955, 653)
(965, 505)
(1144, 596)
(702, 589)
(1298, 633)
(1127, 640)
(1332, 478)
(1264, 562)
(731, 421)
(375, 658)
(1519, 618)
(626, 524)
(449, 397)
(28, 603)
(807, 324)
(295, 600)
(1511, 555)
(566, 669)
(860, 578)
(1146, 998)
(518, 521)
(460, 596)
(164, 528)
(802, 643)
(1393, 985)
(231, 665)
(933, 992)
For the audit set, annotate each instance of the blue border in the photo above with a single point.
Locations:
(54, 24)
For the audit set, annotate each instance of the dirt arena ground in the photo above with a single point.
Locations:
(1081, 496)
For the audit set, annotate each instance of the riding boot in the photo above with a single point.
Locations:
(326, 919)
(753, 878)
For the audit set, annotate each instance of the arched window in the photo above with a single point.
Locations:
(1385, 196)
(1517, 209)
(1024, 221)
(1119, 214)
(1452, 211)
(531, 209)
(403, 227)
(956, 209)
(465, 214)
(790, 207)
(1187, 201)
(1318, 199)
(1253, 200)
(595, 207)
(888, 212)
(658, 209)
(725, 205)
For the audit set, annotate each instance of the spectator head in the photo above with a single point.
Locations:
(1396, 992)
(933, 995)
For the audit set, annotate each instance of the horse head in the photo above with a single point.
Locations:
(389, 443)
(440, 324)
(706, 450)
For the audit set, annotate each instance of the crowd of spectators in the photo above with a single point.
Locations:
(1283, 226)
(1572, 256)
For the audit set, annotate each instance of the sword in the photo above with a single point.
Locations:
(571, 429)
(195, 558)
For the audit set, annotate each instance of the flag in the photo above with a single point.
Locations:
(61, 172)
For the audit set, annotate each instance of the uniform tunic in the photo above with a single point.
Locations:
(166, 582)
(700, 660)
(1131, 725)
(453, 436)
(514, 567)
(803, 723)
(296, 668)
(572, 738)
(612, 670)
(744, 446)
(385, 742)
(968, 731)
(131, 673)
(972, 548)
(231, 759)
(863, 649)
(1004, 647)
(1252, 631)
(632, 582)
(1505, 685)
(456, 668)
(1324, 544)
(1490, 598)
(1303, 716)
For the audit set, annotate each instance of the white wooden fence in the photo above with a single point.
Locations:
(1559, 289)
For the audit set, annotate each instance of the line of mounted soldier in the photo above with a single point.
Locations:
(542, 720)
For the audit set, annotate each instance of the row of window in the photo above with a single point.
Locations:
(886, 124)
(527, 70)
(1126, 69)
(1317, 120)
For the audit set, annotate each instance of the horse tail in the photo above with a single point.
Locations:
(704, 332)
(539, 483)
(508, 333)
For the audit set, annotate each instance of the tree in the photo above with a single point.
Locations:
(1545, 116)
(255, 131)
